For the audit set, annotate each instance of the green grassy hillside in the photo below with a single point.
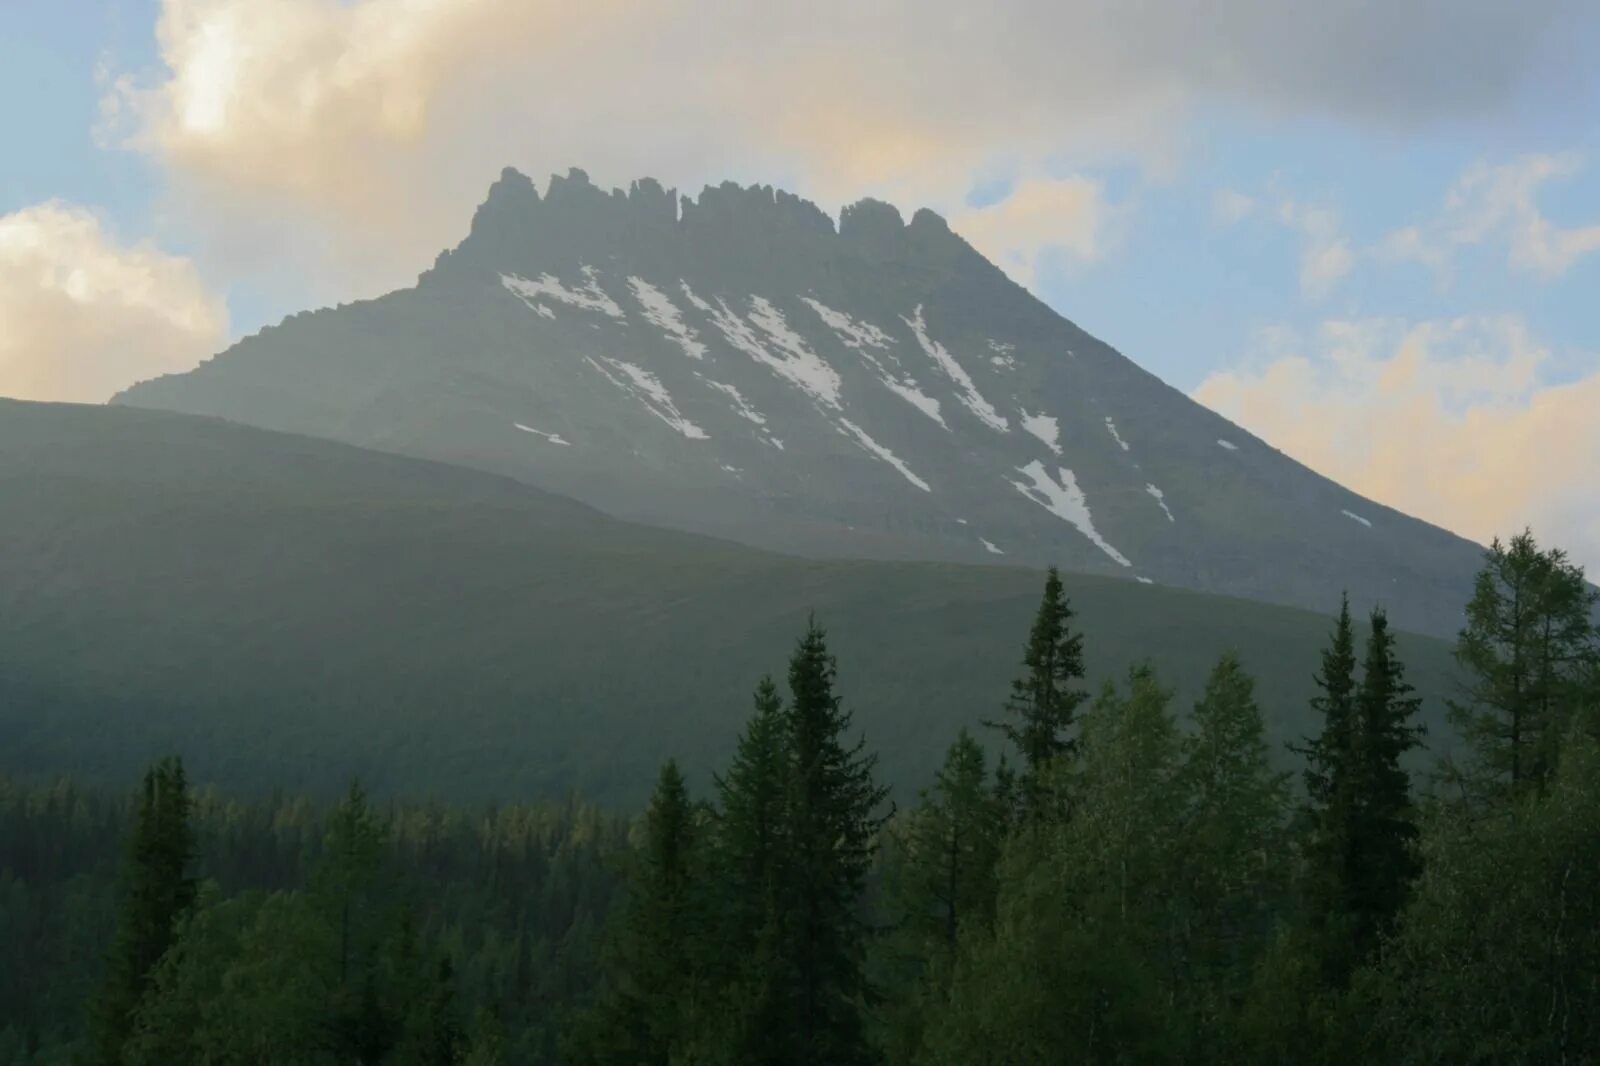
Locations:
(290, 612)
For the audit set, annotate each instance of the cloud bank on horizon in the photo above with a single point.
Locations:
(345, 142)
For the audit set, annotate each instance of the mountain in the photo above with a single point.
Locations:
(737, 365)
(288, 612)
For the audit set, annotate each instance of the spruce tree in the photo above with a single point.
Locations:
(750, 860)
(1363, 824)
(158, 892)
(1528, 646)
(649, 1009)
(832, 822)
(1043, 707)
(1330, 784)
(1382, 855)
(1326, 754)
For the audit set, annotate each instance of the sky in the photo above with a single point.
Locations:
(1369, 233)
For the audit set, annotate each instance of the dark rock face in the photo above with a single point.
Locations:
(736, 365)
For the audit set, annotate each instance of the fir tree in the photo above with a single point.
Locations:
(157, 894)
(1043, 706)
(1527, 648)
(832, 823)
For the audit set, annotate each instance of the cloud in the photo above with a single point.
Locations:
(1499, 204)
(1326, 257)
(82, 316)
(1040, 217)
(1230, 207)
(364, 130)
(1452, 421)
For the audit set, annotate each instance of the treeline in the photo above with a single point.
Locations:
(1117, 886)
(294, 920)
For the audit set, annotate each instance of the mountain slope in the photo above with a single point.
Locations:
(289, 611)
(740, 367)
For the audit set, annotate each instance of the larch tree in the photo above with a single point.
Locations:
(1233, 835)
(1528, 649)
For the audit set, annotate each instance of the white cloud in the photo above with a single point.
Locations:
(1042, 215)
(1325, 257)
(1451, 421)
(364, 130)
(1229, 207)
(1499, 204)
(82, 316)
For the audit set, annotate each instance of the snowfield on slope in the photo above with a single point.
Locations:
(1066, 501)
(966, 390)
(648, 390)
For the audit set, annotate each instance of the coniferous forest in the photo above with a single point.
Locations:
(1092, 876)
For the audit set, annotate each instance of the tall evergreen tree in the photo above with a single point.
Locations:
(1330, 795)
(1326, 754)
(158, 892)
(1044, 702)
(749, 856)
(1362, 821)
(833, 820)
(1382, 859)
(1528, 646)
(649, 1010)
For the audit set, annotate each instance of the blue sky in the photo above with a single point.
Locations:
(1322, 219)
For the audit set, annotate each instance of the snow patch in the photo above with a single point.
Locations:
(1111, 427)
(1161, 499)
(989, 547)
(1066, 501)
(1358, 518)
(587, 297)
(968, 392)
(961, 521)
(1045, 427)
(859, 435)
(874, 346)
(553, 438)
(1144, 581)
(1228, 444)
(648, 390)
(735, 471)
(852, 333)
(907, 390)
(740, 405)
(662, 313)
(788, 356)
